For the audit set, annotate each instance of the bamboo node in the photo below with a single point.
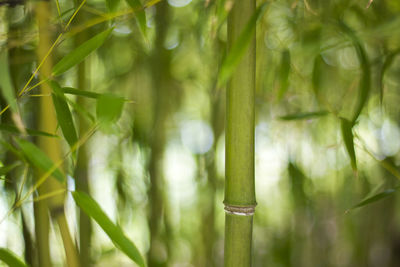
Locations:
(240, 210)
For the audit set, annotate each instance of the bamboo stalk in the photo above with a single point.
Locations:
(239, 163)
(52, 147)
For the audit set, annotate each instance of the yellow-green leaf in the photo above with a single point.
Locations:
(81, 52)
(9, 258)
(5, 81)
(374, 198)
(284, 73)
(347, 134)
(39, 159)
(13, 129)
(63, 113)
(240, 46)
(304, 115)
(93, 210)
(79, 92)
(140, 15)
(109, 108)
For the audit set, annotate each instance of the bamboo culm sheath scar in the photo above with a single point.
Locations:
(239, 182)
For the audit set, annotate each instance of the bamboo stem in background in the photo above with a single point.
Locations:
(239, 163)
(52, 148)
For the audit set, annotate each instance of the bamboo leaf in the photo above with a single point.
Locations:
(92, 209)
(13, 129)
(112, 5)
(316, 75)
(109, 108)
(39, 159)
(78, 92)
(304, 116)
(80, 53)
(374, 198)
(4, 170)
(347, 134)
(284, 74)
(140, 15)
(365, 82)
(63, 113)
(240, 46)
(5, 81)
(9, 258)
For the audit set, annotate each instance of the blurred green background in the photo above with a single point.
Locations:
(158, 172)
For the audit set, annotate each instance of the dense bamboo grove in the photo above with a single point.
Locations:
(141, 133)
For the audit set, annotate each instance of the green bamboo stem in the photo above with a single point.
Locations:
(52, 147)
(239, 184)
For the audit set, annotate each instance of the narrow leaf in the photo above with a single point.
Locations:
(39, 159)
(140, 15)
(304, 116)
(5, 81)
(365, 82)
(374, 198)
(240, 46)
(9, 258)
(80, 53)
(109, 108)
(347, 134)
(74, 91)
(63, 113)
(4, 170)
(92, 209)
(284, 74)
(13, 129)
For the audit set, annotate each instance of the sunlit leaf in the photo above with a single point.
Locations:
(109, 108)
(93, 210)
(304, 116)
(375, 198)
(39, 159)
(80, 53)
(240, 46)
(284, 73)
(5, 81)
(140, 15)
(347, 134)
(9, 258)
(365, 80)
(14, 130)
(74, 91)
(63, 113)
(5, 169)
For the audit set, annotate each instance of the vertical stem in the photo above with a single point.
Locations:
(239, 184)
(52, 148)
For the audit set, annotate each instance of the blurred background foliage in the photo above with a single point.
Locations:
(327, 84)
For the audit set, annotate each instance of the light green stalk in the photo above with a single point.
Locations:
(239, 184)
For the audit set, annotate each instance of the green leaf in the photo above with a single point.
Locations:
(5, 81)
(4, 170)
(112, 5)
(63, 113)
(140, 15)
(365, 82)
(74, 91)
(109, 108)
(374, 198)
(386, 64)
(240, 46)
(13, 129)
(39, 159)
(92, 209)
(80, 53)
(347, 134)
(9, 258)
(284, 74)
(316, 76)
(304, 115)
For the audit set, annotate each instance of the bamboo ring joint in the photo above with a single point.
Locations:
(240, 210)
